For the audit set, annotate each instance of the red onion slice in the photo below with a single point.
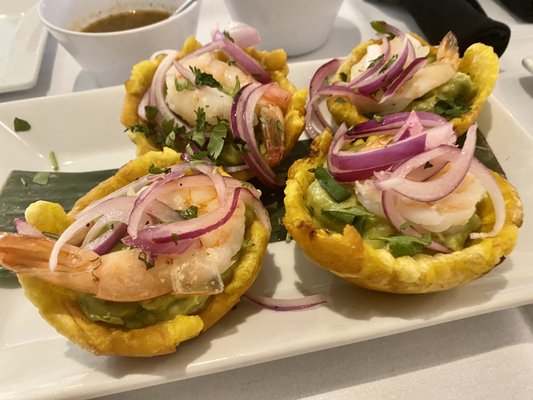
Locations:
(384, 77)
(371, 72)
(301, 303)
(242, 34)
(25, 228)
(460, 161)
(246, 62)
(242, 126)
(403, 77)
(118, 205)
(388, 202)
(346, 166)
(392, 122)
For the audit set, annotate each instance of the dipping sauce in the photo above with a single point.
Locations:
(126, 20)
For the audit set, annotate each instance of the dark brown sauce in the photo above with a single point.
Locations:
(126, 20)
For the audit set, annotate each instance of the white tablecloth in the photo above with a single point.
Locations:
(484, 357)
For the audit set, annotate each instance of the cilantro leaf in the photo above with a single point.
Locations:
(405, 245)
(21, 125)
(335, 190)
(204, 79)
(189, 213)
(156, 170)
(41, 178)
(151, 113)
(217, 139)
(450, 109)
(381, 27)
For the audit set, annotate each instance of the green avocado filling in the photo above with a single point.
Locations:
(450, 100)
(132, 315)
(376, 231)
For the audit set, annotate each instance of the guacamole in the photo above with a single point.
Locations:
(450, 100)
(373, 229)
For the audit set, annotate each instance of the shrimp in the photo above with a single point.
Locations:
(428, 78)
(124, 275)
(451, 211)
(216, 103)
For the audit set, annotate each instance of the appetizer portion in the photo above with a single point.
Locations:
(223, 101)
(401, 72)
(142, 262)
(397, 206)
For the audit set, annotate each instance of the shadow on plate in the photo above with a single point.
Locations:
(527, 84)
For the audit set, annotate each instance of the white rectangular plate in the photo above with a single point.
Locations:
(23, 37)
(84, 131)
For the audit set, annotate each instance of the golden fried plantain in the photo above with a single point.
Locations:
(348, 256)
(59, 307)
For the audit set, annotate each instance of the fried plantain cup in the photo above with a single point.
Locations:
(59, 307)
(479, 62)
(348, 256)
(274, 62)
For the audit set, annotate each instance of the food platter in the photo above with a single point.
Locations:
(84, 132)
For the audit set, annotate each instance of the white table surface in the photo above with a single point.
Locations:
(484, 357)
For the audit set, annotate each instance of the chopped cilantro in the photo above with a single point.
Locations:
(41, 178)
(428, 165)
(217, 139)
(21, 125)
(347, 214)
(343, 76)
(237, 87)
(340, 100)
(151, 113)
(204, 79)
(174, 237)
(450, 109)
(389, 62)
(375, 60)
(189, 213)
(405, 245)
(53, 160)
(148, 261)
(381, 27)
(226, 33)
(156, 170)
(335, 190)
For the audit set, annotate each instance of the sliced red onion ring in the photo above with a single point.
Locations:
(387, 73)
(118, 205)
(185, 72)
(346, 166)
(460, 161)
(371, 72)
(25, 228)
(388, 202)
(105, 242)
(301, 303)
(242, 126)
(245, 61)
(392, 122)
(242, 34)
(312, 109)
(403, 77)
